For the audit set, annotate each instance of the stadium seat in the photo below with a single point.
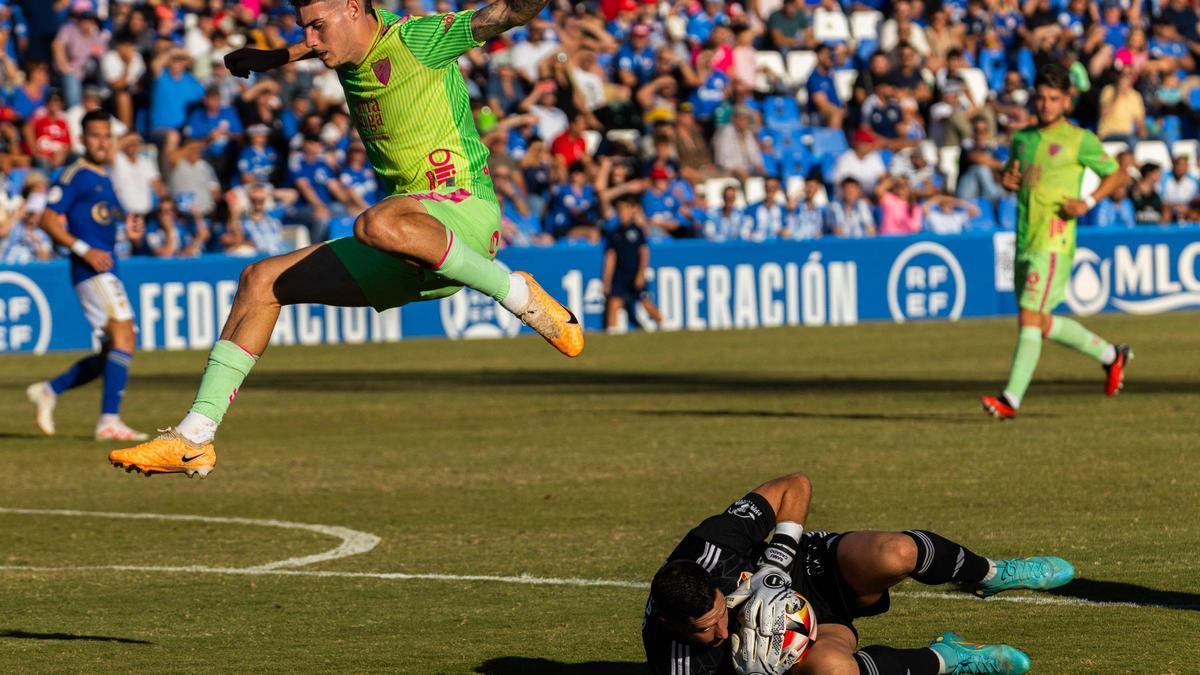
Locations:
(1152, 151)
(862, 53)
(1172, 128)
(1006, 213)
(796, 161)
(794, 188)
(948, 164)
(781, 113)
(865, 25)
(1189, 148)
(843, 82)
(986, 220)
(800, 65)
(713, 187)
(827, 142)
(629, 136)
(755, 189)
(830, 27)
(1114, 148)
(976, 83)
(770, 67)
(298, 236)
(591, 141)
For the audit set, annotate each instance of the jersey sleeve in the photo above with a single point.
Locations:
(438, 40)
(741, 527)
(61, 196)
(1093, 155)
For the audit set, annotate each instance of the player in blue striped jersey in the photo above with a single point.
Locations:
(83, 215)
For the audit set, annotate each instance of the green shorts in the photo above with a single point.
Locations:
(1041, 280)
(388, 281)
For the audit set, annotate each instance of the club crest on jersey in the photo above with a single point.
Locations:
(447, 21)
(1054, 148)
(382, 69)
(443, 171)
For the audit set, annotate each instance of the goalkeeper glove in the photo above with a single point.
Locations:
(241, 61)
(762, 613)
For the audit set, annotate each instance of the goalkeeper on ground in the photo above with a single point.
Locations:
(709, 599)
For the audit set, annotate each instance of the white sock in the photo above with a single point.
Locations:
(197, 428)
(518, 294)
(1109, 355)
(1013, 399)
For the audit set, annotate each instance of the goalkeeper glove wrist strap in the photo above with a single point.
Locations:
(785, 543)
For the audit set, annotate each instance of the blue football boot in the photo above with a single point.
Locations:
(961, 656)
(1039, 573)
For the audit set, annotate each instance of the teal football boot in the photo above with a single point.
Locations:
(1039, 573)
(961, 657)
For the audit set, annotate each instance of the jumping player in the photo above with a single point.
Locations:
(1046, 171)
(83, 214)
(437, 231)
(690, 614)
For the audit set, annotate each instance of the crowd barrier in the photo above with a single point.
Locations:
(181, 304)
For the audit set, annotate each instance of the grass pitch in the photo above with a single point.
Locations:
(501, 458)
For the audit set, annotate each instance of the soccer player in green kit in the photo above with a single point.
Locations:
(436, 232)
(1046, 170)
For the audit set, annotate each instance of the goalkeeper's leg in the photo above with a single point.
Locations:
(836, 651)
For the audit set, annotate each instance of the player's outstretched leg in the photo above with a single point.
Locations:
(1114, 358)
(407, 227)
(961, 656)
(311, 275)
(1038, 573)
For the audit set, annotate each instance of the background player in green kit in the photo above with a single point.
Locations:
(1046, 171)
(437, 231)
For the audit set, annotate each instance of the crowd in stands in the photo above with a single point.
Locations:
(767, 120)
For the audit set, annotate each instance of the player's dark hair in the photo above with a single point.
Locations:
(96, 115)
(1055, 76)
(297, 4)
(682, 590)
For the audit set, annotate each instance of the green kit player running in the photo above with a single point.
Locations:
(1046, 171)
(436, 232)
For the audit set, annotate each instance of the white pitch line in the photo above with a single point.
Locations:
(353, 541)
(545, 581)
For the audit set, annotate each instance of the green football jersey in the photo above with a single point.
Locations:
(409, 102)
(1052, 163)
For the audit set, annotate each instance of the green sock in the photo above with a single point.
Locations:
(462, 264)
(1071, 333)
(1025, 359)
(228, 365)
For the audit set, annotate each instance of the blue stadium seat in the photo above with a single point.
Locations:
(1172, 128)
(866, 47)
(781, 113)
(1026, 66)
(986, 220)
(828, 142)
(1007, 213)
(796, 161)
(1194, 98)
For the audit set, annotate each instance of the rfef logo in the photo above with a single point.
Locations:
(25, 319)
(470, 314)
(926, 282)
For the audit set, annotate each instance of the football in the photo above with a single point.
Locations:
(800, 627)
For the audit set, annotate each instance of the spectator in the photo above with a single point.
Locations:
(980, 164)
(1122, 111)
(573, 209)
(735, 146)
(920, 165)
(93, 99)
(321, 195)
(626, 257)
(27, 98)
(1179, 190)
(77, 49)
(862, 162)
(788, 28)
(571, 146)
(175, 90)
(1147, 203)
(727, 222)
(1116, 211)
(636, 61)
(831, 23)
(528, 56)
(506, 90)
(261, 228)
(47, 134)
(661, 207)
(908, 77)
(942, 39)
(946, 214)
(700, 25)
(711, 90)
(21, 240)
(135, 176)
(219, 126)
(851, 214)
(823, 98)
(691, 146)
(542, 102)
(770, 216)
(257, 161)
(898, 205)
(192, 181)
(900, 28)
(359, 182)
(168, 237)
(807, 219)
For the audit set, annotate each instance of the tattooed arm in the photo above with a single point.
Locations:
(502, 15)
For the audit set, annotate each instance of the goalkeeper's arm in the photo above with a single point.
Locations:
(242, 61)
(788, 496)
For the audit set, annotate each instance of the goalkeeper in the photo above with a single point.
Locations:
(707, 601)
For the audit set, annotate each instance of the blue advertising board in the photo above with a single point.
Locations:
(181, 304)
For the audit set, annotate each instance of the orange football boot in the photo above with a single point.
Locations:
(168, 453)
(551, 319)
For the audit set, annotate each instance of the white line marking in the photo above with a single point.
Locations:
(353, 541)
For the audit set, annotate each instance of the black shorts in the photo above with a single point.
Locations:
(627, 290)
(815, 575)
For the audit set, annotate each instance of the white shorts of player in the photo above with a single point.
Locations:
(103, 298)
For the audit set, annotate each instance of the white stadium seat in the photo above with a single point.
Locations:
(630, 136)
(830, 26)
(795, 187)
(755, 189)
(1152, 151)
(713, 187)
(865, 25)
(843, 82)
(297, 236)
(976, 83)
(591, 141)
(948, 164)
(800, 65)
(770, 62)
(1114, 148)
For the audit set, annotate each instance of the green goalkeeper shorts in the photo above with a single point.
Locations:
(1041, 279)
(389, 281)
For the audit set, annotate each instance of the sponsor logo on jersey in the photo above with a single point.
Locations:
(744, 508)
(443, 169)
(25, 318)
(368, 117)
(926, 282)
(382, 69)
(1142, 279)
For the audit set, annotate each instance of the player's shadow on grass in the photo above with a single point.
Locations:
(972, 418)
(1098, 590)
(524, 665)
(26, 635)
